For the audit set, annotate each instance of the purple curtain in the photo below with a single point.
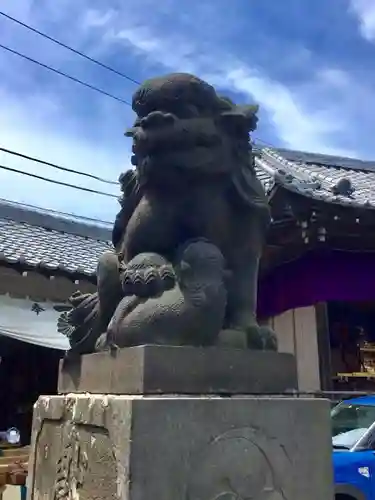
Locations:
(317, 277)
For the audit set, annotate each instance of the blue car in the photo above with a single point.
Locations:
(353, 441)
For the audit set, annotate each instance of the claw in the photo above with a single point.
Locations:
(261, 338)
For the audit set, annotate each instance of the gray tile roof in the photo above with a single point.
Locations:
(39, 239)
(331, 179)
(56, 244)
(327, 160)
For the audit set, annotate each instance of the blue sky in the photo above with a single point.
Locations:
(309, 64)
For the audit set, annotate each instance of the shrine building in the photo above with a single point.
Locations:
(317, 283)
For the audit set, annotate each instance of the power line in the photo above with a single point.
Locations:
(61, 73)
(58, 167)
(75, 51)
(60, 183)
(77, 172)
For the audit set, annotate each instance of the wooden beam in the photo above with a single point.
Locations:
(324, 348)
(284, 254)
(38, 287)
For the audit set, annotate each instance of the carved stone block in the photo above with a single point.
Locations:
(180, 370)
(180, 448)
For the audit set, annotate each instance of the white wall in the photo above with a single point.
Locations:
(19, 321)
(296, 331)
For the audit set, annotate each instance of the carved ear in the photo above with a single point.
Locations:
(233, 122)
(225, 103)
(240, 119)
(250, 113)
(128, 182)
(249, 109)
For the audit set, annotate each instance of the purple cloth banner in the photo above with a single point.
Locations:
(317, 277)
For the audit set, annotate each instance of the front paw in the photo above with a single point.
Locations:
(235, 339)
(102, 343)
(147, 282)
(261, 338)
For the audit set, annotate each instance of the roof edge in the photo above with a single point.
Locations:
(56, 222)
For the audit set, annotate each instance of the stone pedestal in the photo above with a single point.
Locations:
(180, 370)
(179, 447)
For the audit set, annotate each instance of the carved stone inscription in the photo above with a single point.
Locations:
(71, 467)
(75, 462)
(240, 464)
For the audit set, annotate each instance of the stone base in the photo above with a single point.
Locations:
(180, 448)
(179, 370)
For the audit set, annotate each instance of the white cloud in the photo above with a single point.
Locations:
(41, 116)
(300, 122)
(57, 120)
(298, 126)
(95, 19)
(365, 12)
(31, 127)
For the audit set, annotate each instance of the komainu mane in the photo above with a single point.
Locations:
(190, 232)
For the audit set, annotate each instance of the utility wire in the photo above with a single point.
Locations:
(85, 56)
(61, 73)
(53, 181)
(75, 51)
(58, 167)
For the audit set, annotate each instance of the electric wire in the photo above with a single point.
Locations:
(65, 75)
(58, 167)
(71, 49)
(60, 183)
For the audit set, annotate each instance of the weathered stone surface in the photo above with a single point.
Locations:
(180, 370)
(180, 448)
(190, 232)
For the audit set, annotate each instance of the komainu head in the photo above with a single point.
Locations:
(184, 131)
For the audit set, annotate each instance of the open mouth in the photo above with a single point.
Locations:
(180, 137)
(176, 139)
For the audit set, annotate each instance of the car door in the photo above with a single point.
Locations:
(364, 465)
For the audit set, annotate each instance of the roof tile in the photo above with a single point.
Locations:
(42, 240)
(328, 175)
(41, 247)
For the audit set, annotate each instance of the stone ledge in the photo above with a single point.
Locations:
(179, 370)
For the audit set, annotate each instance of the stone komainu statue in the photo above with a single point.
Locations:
(190, 232)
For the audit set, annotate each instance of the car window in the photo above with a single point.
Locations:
(350, 422)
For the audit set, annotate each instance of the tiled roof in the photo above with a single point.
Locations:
(40, 240)
(331, 179)
(55, 243)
